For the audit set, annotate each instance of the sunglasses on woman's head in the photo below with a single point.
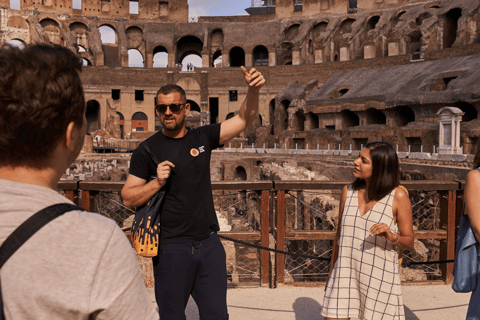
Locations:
(174, 107)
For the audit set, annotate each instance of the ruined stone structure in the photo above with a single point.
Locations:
(339, 72)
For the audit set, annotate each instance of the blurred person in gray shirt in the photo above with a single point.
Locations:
(80, 265)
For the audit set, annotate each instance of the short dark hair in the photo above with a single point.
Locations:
(385, 171)
(170, 88)
(40, 94)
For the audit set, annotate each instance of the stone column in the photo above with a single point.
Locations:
(296, 58)
(205, 60)
(149, 62)
(272, 59)
(248, 60)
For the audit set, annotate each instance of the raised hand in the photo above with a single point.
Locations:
(163, 172)
(254, 78)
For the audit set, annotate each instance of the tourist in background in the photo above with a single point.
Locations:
(374, 221)
(472, 213)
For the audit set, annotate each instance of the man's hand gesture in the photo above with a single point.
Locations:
(254, 78)
(163, 172)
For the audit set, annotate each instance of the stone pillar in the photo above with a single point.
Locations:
(149, 63)
(272, 61)
(393, 49)
(171, 60)
(248, 60)
(225, 60)
(319, 56)
(344, 54)
(296, 58)
(205, 60)
(369, 51)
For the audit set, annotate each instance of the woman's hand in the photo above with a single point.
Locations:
(383, 231)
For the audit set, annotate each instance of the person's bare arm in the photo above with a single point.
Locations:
(472, 205)
(343, 198)
(403, 208)
(249, 109)
(137, 191)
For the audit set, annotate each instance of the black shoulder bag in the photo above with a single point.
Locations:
(28, 229)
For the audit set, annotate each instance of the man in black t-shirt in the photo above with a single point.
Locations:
(191, 258)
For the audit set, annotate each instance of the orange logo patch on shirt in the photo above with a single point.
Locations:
(194, 152)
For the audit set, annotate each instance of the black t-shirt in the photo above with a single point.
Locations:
(187, 213)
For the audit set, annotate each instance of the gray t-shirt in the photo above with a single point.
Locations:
(79, 266)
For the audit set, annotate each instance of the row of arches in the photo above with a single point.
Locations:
(307, 121)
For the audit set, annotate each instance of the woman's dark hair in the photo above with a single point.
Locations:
(40, 94)
(385, 171)
(476, 160)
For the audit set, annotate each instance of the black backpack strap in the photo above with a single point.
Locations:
(30, 227)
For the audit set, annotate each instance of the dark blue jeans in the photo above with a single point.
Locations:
(193, 268)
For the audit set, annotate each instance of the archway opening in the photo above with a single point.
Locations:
(191, 61)
(194, 106)
(372, 22)
(17, 43)
(135, 58)
(160, 57)
(291, 32)
(217, 59)
(374, 116)
(240, 173)
(86, 62)
(450, 27)
(312, 121)
(107, 35)
(319, 28)
(260, 56)
(139, 122)
(470, 112)
(299, 121)
(237, 57)
(349, 119)
(188, 45)
(122, 123)
(346, 26)
(93, 116)
(405, 115)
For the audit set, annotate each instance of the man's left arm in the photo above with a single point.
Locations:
(234, 126)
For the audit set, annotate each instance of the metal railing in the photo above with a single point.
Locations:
(298, 217)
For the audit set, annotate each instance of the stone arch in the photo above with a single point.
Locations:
(349, 119)
(108, 34)
(216, 38)
(92, 114)
(470, 112)
(299, 121)
(346, 26)
(135, 58)
(292, 31)
(188, 45)
(319, 28)
(372, 23)
(188, 84)
(237, 57)
(139, 121)
(194, 106)
(312, 121)
(433, 6)
(374, 116)
(86, 62)
(397, 18)
(217, 59)
(240, 173)
(284, 105)
(450, 27)
(52, 30)
(414, 41)
(134, 37)
(260, 56)
(81, 31)
(160, 57)
(404, 116)
(422, 17)
(17, 22)
(285, 55)
(17, 43)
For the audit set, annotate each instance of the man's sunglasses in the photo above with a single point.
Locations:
(174, 107)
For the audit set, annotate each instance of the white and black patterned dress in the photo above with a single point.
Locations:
(365, 281)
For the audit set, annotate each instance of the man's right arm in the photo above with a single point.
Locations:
(137, 191)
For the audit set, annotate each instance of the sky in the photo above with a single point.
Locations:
(198, 8)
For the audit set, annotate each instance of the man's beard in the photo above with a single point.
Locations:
(172, 126)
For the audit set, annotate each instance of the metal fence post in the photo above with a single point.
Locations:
(280, 241)
(264, 239)
(447, 248)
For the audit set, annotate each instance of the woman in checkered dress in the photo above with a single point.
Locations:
(375, 219)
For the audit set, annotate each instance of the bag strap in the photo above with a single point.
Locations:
(147, 148)
(27, 229)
